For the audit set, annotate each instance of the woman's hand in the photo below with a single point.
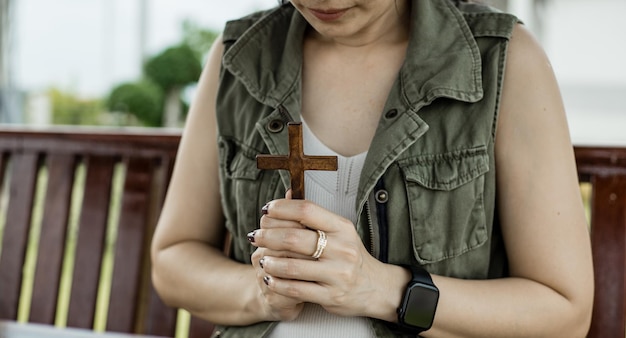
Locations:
(278, 307)
(345, 280)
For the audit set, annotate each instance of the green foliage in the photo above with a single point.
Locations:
(197, 38)
(142, 99)
(175, 67)
(69, 109)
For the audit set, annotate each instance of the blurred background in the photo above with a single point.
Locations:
(135, 62)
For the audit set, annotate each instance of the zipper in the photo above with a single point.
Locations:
(381, 196)
(370, 226)
(377, 221)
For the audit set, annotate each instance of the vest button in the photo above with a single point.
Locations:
(275, 126)
(382, 196)
(391, 114)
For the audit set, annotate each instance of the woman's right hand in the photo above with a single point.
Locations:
(277, 307)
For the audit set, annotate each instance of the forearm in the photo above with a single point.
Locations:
(507, 307)
(200, 279)
(510, 307)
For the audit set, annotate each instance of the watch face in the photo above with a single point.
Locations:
(421, 305)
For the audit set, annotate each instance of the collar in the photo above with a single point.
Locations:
(443, 57)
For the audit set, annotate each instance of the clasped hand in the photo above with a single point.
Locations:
(341, 280)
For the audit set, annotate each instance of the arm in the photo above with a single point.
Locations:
(189, 269)
(550, 291)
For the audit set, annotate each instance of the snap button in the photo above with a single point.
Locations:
(382, 196)
(275, 126)
(391, 114)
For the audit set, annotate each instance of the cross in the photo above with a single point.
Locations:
(296, 162)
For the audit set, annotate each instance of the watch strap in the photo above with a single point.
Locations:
(421, 276)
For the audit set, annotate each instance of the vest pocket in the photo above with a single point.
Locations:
(240, 190)
(445, 198)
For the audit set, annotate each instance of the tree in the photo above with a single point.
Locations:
(172, 70)
(69, 109)
(143, 99)
(198, 39)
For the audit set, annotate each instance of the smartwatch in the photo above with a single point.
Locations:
(419, 303)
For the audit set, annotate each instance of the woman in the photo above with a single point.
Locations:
(454, 158)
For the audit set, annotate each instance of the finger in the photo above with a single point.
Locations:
(299, 241)
(299, 269)
(279, 254)
(268, 222)
(303, 291)
(280, 307)
(288, 194)
(307, 213)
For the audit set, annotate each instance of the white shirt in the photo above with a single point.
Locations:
(335, 191)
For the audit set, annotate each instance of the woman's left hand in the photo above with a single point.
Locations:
(345, 279)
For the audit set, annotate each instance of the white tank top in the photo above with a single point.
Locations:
(335, 191)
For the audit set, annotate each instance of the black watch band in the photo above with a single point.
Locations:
(419, 302)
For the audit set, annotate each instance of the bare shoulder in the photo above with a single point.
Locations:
(531, 108)
(538, 195)
(527, 66)
(532, 141)
(192, 209)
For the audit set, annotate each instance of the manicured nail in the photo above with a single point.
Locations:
(251, 236)
(265, 209)
(261, 262)
(267, 280)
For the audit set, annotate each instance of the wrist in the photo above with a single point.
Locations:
(416, 311)
(393, 283)
(256, 308)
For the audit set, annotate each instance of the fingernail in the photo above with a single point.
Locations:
(266, 280)
(265, 209)
(251, 236)
(261, 262)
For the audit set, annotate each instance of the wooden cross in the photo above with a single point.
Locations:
(296, 162)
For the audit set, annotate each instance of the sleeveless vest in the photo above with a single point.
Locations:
(427, 193)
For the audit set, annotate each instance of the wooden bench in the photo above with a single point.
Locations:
(605, 170)
(39, 171)
(143, 161)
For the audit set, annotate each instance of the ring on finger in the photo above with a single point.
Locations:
(321, 244)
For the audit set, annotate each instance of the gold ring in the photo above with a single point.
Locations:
(321, 244)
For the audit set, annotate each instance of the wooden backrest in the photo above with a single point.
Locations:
(52, 161)
(146, 160)
(605, 169)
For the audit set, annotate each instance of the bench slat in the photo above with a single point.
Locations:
(159, 319)
(61, 170)
(15, 239)
(4, 159)
(130, 245)
(608, 235)
(199, 328)
(90, 242)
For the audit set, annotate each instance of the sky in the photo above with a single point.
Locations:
(86, 45)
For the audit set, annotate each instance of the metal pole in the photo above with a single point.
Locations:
(8, 113)
(143, 32)
(533, 13)
(524, 10)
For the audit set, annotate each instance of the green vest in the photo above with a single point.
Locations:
(427, 192)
